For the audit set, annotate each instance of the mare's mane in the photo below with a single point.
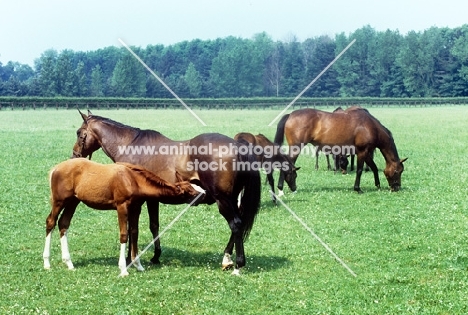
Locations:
(117, 124)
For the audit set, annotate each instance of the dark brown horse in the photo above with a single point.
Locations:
(122, 187)
(354, 129)
(211, 161)
(270, 156)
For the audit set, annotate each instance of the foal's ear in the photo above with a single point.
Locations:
(89, 113)
(297, 168)
(403, 160)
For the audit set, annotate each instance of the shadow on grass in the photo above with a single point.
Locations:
(174, 257)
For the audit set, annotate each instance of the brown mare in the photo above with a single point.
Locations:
(270, 157)
(122, 187)
(202, 160)
(355, 128)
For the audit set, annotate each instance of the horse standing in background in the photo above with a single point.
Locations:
(356, 128)
(271, 157)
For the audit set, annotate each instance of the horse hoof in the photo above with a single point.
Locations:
(155, 261)
(226, 266)
(236, 272)
(124, 273)
(280, 193)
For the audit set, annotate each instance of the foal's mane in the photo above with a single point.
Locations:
(149, 176)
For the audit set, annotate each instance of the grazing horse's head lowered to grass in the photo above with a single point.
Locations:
(270, 155)
(354, 127)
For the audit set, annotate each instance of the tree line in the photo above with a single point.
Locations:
(430, 63)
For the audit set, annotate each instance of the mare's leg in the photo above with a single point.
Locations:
(366, 157)
(271, 182)
(328, 162)
(367, 165)
(227, 261)
(133, 220)
(370, 163)
(153, 213)
(64, 224)
(228, 208)
(360, 164)
(122, 215)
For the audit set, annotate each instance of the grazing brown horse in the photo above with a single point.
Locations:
(270, 156)
(209, 160)
(122, 187)
(355, 128)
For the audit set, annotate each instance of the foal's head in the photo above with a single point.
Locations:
(86, 142)
(342, 163)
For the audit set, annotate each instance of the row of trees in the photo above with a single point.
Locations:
(379, 64)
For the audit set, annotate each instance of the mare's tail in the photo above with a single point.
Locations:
(250, 201)
(279, 137)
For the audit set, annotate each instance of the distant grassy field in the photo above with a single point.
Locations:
(409, 249)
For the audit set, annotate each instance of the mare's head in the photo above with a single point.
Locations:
(86, 142)
(393, 174)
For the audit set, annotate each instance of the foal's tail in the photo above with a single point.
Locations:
(250, 201)
(279, 137)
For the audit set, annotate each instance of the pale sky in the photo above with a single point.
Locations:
(29, 27)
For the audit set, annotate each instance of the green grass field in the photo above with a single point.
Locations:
(409, 249)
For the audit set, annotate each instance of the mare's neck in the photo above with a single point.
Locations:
(114, 139)
(388, 148)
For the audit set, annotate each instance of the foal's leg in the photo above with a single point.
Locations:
(153, 213)
(271, 182)
(64, 224)
(51, 221)
(122, 215)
